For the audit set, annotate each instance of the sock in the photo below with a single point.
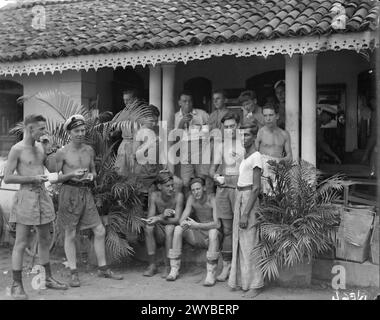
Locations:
(103, 268)
(17, 275)
(151, 258)
(73, 271)
(47, 269)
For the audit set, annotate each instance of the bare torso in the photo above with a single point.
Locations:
(30, 161)
(272, 142)
(203, 212)
(74, 158)
(162, 204)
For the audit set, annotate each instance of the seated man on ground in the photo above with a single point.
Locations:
(202, 232)
(165, 209)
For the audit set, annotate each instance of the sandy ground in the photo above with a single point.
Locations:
(137, 287)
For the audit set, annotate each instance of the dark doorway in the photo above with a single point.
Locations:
(10, 112)
(201, 91)
(126, 79)
(263, 84)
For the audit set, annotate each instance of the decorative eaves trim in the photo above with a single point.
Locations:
(264, 48)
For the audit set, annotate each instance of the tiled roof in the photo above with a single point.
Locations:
(103, 26)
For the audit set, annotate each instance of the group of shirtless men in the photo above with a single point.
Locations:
(199, 216)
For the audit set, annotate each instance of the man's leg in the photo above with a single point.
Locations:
(70, 251)
(100, 251)
(22, 235)
(169, 233)
(150, 242)
(226, 249)
(212, 257)
(187, 172)
(44, 238)
(175, 254)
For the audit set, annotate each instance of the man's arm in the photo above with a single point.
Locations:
(152, 205)
(258, 140)
(92, 163)
(287, 147)
(10, 168)
(371, 143)
(189, 206)
(253, 197)
(218, 157)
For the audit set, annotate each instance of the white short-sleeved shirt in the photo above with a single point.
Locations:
(246, 169)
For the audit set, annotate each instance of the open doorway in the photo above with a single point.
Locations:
(200, 88)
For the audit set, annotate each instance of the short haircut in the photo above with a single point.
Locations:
(197, 180)
(185, 93)
(220, 91)
(164, 177)
(33, 118)
(271, 107)
(253, 128)
(229, 116)
(132, 91)
(247, 95)
(154, 110)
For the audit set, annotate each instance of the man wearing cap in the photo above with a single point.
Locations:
(76, 207)
(279, 90)
(202, 231)
(165, 209)
(326, 115)
(273, 143)
(252, 113)
(32, 204)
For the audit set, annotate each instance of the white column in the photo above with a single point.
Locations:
(155, 86)
(168, 101)
(292, 102)
(309, 111)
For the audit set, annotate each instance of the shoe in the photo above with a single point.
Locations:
(74, 281)
(223, 276)
(150, 271)
(17, 291)
(51, 283)
(108, 274)
(166, 272)
(211, 273)
(174, 270)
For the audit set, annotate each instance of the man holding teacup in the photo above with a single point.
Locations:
(225, 170)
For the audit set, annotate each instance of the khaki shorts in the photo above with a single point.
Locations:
(198, 238)
(225, 202)
(32, 206)
(76, 208)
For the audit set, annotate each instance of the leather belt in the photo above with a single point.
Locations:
(244, 188)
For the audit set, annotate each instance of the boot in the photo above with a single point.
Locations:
(17, 291)
(223, 276)
(51, 283)
(175, 263)
(166, 269)
(211, 273)
(212, 264)
(150, 271)
(74, 281)
(174, 269)
(109, 274)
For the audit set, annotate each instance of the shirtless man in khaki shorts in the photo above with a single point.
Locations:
(77, 209)
(32, 204)
(273, 143)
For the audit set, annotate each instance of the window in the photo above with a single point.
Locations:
(10, 113)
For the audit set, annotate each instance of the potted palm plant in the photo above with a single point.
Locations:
(119, 199)
(296, 220)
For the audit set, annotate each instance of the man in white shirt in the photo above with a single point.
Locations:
(193, 139)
